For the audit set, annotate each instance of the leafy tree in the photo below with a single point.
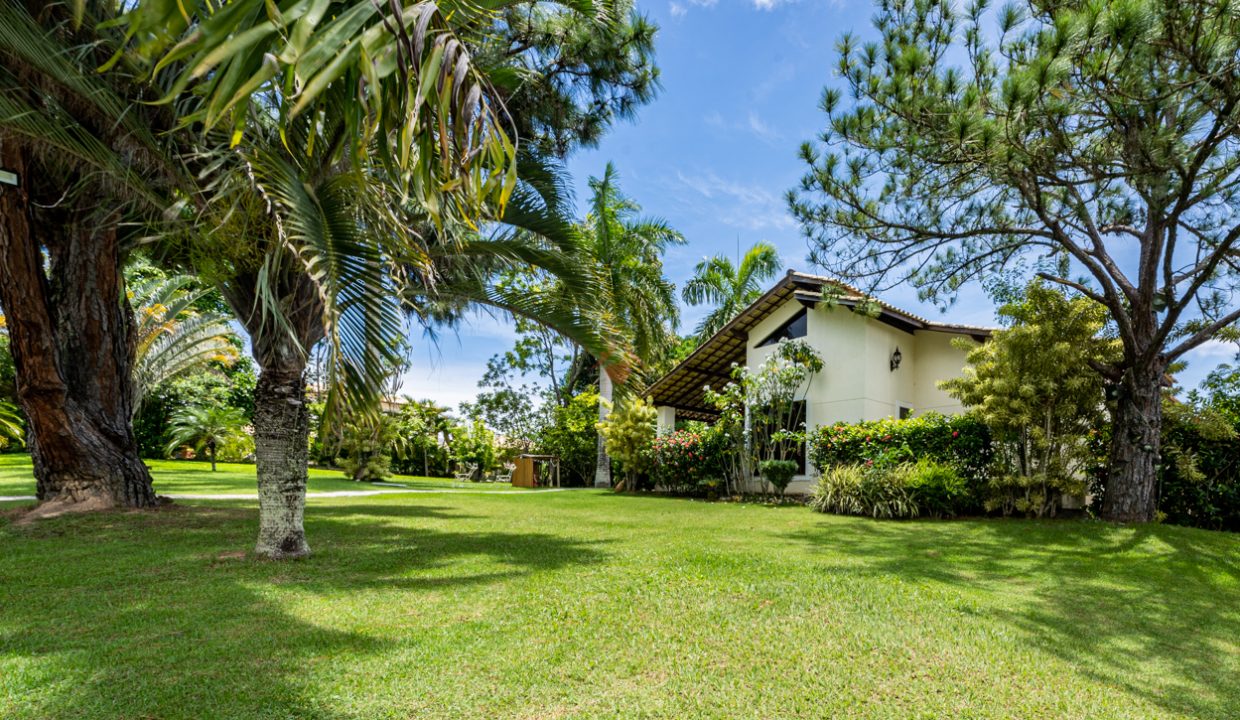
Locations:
(628, 431)
(512, 414)
(1090, 143)
(425, 431)
(571, 434)
(730, 289)
(473, 444)
(205, 426)
(1034, 385)
(774, 392)
(97, 162)
(635, 296)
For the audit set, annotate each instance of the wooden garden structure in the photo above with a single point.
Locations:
(536, 471)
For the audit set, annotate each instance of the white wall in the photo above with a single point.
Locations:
(857, 382)
(939, 361)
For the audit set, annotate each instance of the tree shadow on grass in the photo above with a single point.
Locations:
(153, 615)
(1153, 610)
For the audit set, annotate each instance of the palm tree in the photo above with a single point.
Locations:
(635, 296)
(362, 194)
(172, 337)
(205, 427)
(11, 426)
(729, 288)
(103, 155)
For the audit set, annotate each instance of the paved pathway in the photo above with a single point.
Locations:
(391, 490)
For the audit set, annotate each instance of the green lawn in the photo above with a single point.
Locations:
(177, 477)
(585, 604)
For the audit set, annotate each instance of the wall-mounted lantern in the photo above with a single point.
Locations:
(896, 357)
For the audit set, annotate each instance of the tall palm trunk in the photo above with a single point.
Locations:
(602, 468)
(71, 335)
(281, 418)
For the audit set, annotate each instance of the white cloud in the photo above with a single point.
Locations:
(751, 207)
(759, 127)
(448, 384)
(1215, 351)
(678, 9)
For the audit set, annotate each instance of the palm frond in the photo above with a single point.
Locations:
(11, 425)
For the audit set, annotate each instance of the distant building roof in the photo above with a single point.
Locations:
(684, 387)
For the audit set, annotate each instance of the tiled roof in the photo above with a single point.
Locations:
(711, 363)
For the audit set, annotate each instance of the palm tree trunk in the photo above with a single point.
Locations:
(281, 449)
(281, 418)
(71, 336)
(211, 447)
(602, 468)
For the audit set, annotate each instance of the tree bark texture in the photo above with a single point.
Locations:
(71, 335)
(602, 467)
(1136, 433)
(281, 448)
(281, 418)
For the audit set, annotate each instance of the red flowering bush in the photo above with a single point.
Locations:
(961, 441)
(688, 461)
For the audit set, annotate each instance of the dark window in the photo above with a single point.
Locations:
(796, 327)
(905, 412)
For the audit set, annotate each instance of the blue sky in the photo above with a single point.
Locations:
(713, 155)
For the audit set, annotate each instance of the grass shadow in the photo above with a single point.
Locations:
(127, 614)
(1116, 603)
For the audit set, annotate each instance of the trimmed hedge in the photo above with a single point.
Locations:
(960, 441)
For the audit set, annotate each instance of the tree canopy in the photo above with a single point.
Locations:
(1094, 144)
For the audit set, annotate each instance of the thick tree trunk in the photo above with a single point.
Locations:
(71, 335)
(281, 447)
(602, 467)
(1136, 427)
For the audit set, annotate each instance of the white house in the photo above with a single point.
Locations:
(875, 366)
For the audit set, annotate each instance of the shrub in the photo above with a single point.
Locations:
(1037, 495)
(879, 492)
(474, 444)
(238, 448)
(938, 489)
(688, 461)
(778, 473)
(962, 442)
(627, 433)
(1200, 474)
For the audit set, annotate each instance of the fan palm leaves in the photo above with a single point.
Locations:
(173, 337)
(11, 426)
(205, 427)
(730, 288)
